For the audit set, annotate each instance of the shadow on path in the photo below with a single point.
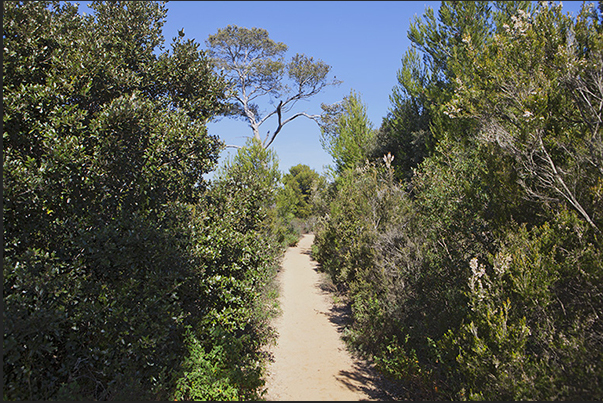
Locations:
(371, 382)
(364, 377)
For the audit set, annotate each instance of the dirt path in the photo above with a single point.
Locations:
(310, 361)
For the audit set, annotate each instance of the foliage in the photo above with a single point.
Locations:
(473, 264)
(366, 200)
(239, 255)
(300, 186)
(527, 107)
(295, 210)
(346, 132)
(255, 66)
(249, 180)
(415, 121)
(405, 130)
(205, 377)
(119, 261)
(531, 331)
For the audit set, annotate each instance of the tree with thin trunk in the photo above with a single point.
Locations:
(256, 68)
(544, 111)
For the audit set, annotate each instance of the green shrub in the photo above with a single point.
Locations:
(296, 208)
(484, 281)
(531, 333)
(456, 301)
(119, 263)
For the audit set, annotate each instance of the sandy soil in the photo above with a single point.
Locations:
(309, 360)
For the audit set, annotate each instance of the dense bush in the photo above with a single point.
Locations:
(532, 331)
(473, 264)
(125, 277)
(446, 297)
(238, 250)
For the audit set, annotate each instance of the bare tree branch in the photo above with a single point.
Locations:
(269, 139)
(538, 164)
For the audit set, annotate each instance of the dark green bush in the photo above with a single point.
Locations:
(297, 203)
(119, 264)
(447, 298)
(238, 254)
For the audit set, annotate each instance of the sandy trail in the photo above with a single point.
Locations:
(310, 361)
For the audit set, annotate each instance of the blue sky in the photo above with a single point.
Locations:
(363, 42)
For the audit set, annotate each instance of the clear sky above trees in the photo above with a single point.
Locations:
(363, 41)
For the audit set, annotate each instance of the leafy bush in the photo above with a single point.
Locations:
(299, 187)
(531, 330)
(457, 302)
(238, 255)
(296, 207)
(123, 272)
(484, 280)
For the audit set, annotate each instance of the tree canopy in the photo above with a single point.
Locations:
(346, 132)
(300, 185)
(256, 68)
